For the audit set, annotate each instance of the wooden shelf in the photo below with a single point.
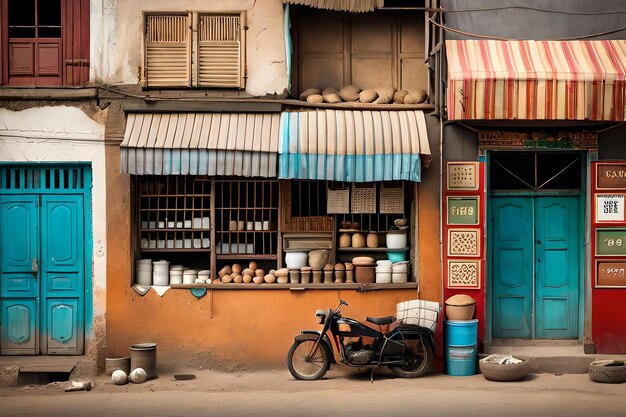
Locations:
(179, 229)
(177, 250)
(302, 287)
(247, 256)
(371, 250)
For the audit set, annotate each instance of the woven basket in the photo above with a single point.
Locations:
(391, 200)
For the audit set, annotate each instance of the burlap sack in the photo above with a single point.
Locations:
(368, 96)
(331, 95)
(309, 91)
(415, 96)
(315, 99)
(385, 95)
(349, 92)
(399, 96)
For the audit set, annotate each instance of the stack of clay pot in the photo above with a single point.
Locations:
(340, 273)
(349, 272)
(328, 273)
(235, 274)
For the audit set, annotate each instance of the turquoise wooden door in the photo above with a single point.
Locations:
(535, 265)
(42, 261)
(19, 283)
(62, 274)
(557, 265)
(512, 267)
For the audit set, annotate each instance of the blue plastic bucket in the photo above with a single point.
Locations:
(461, 360)
(462, 332)
(461, 347)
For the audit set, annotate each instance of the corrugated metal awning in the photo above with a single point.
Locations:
(352, 146)
(240, 144)
(358, 6)
(536, 80)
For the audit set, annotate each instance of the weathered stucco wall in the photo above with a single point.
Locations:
(116, 39)
(67, 134)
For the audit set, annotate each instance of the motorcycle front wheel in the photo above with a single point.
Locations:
(308, 360)
(418, 360)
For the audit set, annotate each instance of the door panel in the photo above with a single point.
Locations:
(19, 327)
(18, 285)
(557, 259)
(512, 267)
(63, 274)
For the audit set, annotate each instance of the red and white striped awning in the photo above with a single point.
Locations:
(536, 80)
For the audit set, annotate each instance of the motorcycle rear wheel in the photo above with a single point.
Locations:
(419, 360)
(308, 362)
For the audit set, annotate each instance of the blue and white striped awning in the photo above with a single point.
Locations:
(239, 144)
(352, 145)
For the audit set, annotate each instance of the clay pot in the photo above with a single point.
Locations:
(372, 240)
(257, 279)
(259, 272)
(227, 270)
(345, 240)
(294, 276)
(270, 279)
(328, 276)
(317, 276)
(282, 280)
(318, 258)
(306, 275)
(238, 279)
(340, 276)
(227, 279)
(247, 271)
(236, 268)
(358, 240)
(253, 266)
(349, 276)
(247, 279)
(282, 272)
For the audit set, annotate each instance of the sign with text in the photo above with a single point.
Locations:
(463, 210)
(611, 274)
(611, 176)
(609, 207)
(610, 242)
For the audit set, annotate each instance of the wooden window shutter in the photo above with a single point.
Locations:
(75, 42)
(167, 51)
(221, 48)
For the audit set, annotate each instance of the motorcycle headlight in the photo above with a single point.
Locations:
(320, 315)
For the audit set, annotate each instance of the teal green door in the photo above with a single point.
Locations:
(535, 267)
(42, 261)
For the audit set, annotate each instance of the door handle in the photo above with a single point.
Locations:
(35, 266)
(539, 242)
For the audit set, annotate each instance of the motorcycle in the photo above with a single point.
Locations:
(407, 350)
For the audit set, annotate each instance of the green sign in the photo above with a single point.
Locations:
(463, 210)
(611, 242)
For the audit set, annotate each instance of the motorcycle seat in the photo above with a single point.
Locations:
(381, 321)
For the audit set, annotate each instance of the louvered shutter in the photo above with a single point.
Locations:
(167, 62)
(220, 51)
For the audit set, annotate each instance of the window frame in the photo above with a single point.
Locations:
(73, 49)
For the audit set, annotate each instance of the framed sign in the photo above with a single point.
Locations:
(611, 176)
(464, 242)
(611, 273)
(464, 274)
(609, 208)
(462, 175)
(463, 210)
(611, 242)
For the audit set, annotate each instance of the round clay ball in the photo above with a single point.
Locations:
(119, 377)
(138, 376)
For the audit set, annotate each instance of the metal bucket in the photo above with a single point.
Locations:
(143, 355)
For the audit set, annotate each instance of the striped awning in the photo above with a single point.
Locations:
(536, 80)
(352, 146)
(240, 144)
(357, 6)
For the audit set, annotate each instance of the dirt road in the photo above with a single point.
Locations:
(276, 394)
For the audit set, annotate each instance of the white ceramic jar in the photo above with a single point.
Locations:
(296, 260)
(396, 239)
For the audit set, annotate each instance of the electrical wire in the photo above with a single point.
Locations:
(489, 9)
(477, 35)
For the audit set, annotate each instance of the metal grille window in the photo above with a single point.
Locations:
(194, 50)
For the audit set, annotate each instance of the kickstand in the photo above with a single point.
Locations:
(372, 375)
